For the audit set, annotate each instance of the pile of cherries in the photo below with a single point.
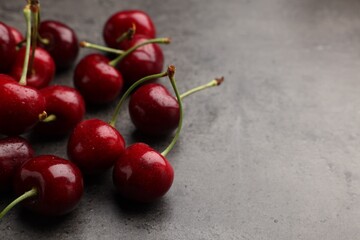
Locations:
(50, 185)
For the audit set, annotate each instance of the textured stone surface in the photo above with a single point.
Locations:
(272, 154)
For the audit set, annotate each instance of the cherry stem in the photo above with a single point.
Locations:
(127, 93)
(129, 34)
(44, 41)
(49, 118)
(130, 50)
(85, 44)
(213, 83)
(31, 193)
(27, 14)
(171, 74)
(35, 17)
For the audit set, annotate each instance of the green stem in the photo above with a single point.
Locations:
(213, 83)
(101, 48)
(27, 14)
(171, 73)
(130, 89)
(128, 34)
(130, 50)
(49, 118)
(35, 16)
(44, 41)
(31, 193)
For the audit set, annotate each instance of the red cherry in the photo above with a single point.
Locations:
(97, 81)
(7, 48)
(144, 61)
(43, 68)
(14, 151)
(153, 110)
(142, 174)
(56, 183)
(17, 35)
(68, 107)
(20, 106)
(120, 22)
(60, 41)
(94, 146)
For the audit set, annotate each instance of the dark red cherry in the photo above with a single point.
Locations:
(142, 174)
(97, 81)
(14, 151)
(20, 106)
(18, 36)
(43, 68)
(7, 48)
(94, 146)
(57, 182)
(144, 61)
(153, 110)
(68, 107)
(62, 42)
(120, 23)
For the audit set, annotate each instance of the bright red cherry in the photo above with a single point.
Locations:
(120, 22)
(16, 34)
(66, 105)
(43, 68)
(60, 41)
(153, 110)
(97, 81)
(142, 174)
(55, 184)
(7, 48)
(20, 107)
(144, 61)
(14, 151)
(94, 146)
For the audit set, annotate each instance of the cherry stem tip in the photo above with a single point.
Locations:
(219, 80)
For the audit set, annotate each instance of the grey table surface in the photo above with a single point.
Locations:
(274, 153)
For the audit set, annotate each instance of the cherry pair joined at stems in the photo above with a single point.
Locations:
(21, 106)
(141, 173)
(97, 78)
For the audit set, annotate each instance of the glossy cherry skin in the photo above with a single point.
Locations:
(120, 23)
(20, 106)
(7, 48)
(94, 146)
(96, 80)
(18, 37)
(14, 151)
(63, 43)
(66, 104)
(144, 61)
(42, 72)
(153, 110)
(142, 174)
(58, 181)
